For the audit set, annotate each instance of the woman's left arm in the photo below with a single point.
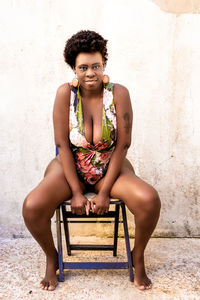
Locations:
(124, 116)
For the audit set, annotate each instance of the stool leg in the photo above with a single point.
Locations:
(116, 229)
(128, 250)
(66, 229)
(59, 240)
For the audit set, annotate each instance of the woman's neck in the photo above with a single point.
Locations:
(86, 93)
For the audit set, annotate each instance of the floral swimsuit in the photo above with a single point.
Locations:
(92, 160)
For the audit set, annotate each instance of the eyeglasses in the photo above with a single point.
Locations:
(95, 68)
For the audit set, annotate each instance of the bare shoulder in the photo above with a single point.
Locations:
(121, 94)
(64, 89)
(63, 94)
(119, 88)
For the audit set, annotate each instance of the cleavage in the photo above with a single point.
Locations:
(92, 121)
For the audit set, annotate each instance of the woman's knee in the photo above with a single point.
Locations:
(150, 200)
(32, 209)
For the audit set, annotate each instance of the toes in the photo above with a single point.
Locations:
(148, 284)
(48, 285)
(144, 286)
(141, 287)
(44, 285)
(42, 282)
(148, 287)
(52, 285)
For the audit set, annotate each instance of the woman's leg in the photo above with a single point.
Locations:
(144, 203)
(38, 209)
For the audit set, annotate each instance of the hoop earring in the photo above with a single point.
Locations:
(75, 82)
(105, 79)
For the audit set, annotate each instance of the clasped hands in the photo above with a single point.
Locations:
(98, 204)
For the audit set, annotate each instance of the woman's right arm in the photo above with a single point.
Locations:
(61, 134)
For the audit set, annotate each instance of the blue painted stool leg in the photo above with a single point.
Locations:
(128, 250)
(66, 230)
(59, 239)
(116, 226)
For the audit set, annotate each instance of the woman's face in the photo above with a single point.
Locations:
(89, 69)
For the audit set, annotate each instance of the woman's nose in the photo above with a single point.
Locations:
(90, 72)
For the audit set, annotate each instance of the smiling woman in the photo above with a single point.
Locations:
(92, 127)
(89, 68)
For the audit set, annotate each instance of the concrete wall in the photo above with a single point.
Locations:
(154, 49)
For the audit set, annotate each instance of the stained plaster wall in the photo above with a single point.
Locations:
(153, 50)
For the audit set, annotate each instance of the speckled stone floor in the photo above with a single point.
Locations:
(172, 264)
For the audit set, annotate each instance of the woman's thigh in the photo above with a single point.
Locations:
(133, 191)
(51, 191)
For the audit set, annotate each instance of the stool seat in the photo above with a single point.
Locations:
(89, 195)
(68, 217)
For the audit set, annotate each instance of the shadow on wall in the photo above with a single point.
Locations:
(179, 6)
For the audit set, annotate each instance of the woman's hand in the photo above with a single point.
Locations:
(100, 204)
(80, 204)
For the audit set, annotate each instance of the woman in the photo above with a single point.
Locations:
(92, 127)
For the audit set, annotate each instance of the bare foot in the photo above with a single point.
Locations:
(141, 281)
(50, 280)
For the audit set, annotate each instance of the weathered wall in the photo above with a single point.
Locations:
(179, 6)
(154, 51)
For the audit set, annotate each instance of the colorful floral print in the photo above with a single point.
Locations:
(92, 160)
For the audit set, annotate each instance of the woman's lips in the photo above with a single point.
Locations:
(90, 82)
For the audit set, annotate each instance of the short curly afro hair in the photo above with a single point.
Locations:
(84, 41)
